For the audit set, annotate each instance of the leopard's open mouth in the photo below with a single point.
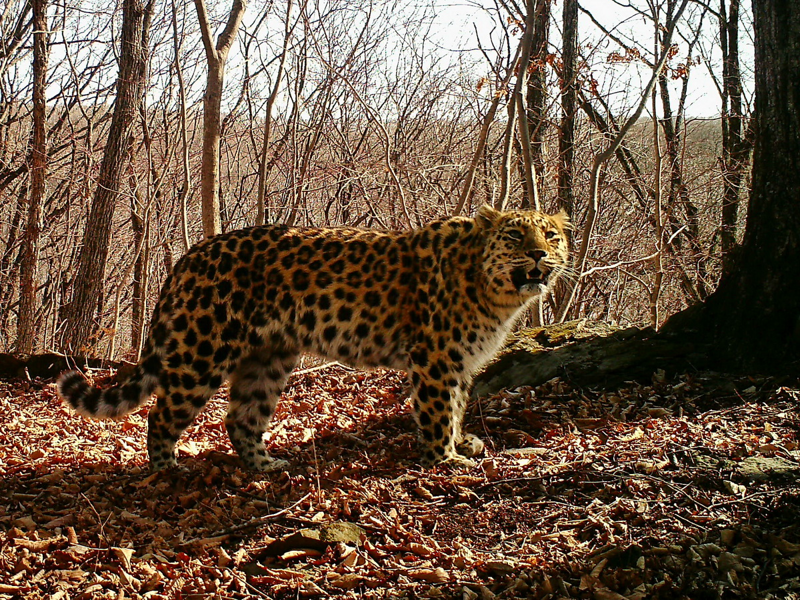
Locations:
(529, 281)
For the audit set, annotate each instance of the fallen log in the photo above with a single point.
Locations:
(47, 366)
(587, 353)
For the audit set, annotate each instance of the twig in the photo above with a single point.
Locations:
(222, 535)
(322, 367)
(621, 263)
(466, 191)
(374, 117)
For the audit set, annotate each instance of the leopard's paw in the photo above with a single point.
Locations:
(470, 445)
(268, 465)
(460, 461)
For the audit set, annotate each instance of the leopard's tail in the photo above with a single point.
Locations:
(113, 402)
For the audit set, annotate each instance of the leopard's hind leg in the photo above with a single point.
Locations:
(256, 386)
(183, 394)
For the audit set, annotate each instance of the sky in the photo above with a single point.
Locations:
(462, 23)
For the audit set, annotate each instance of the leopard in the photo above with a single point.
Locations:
(436, 301)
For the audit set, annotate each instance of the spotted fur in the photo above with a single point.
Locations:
(435, 301)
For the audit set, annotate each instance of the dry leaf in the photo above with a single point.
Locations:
(438, 575)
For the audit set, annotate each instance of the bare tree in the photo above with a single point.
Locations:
(261, 212)
(569, 89)
(751, 320)
(216, 56)
(369, 123)
(735, 144)
(186, 183)
(26, 324)
(88, 286)
(537, 98)
(13, 33)
(479, 154)
(601, 158)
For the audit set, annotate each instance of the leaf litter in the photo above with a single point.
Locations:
(666, 490)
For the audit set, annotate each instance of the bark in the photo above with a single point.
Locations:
(752, 318)
(529, 177)
(136, 18)
(658, 278)
(508, 146)
(216, 57)
(26, 324)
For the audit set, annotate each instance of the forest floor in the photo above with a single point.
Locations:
(675, 489)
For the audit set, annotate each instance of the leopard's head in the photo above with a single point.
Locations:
(525, 252)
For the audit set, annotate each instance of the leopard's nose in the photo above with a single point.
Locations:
(537, 255)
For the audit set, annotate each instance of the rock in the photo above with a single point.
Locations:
(317, 539)
(468, 594)
(762, 468)
(729, 562)
(302, 538)
(341, 531)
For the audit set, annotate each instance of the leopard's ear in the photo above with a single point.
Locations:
(487, 216)
(562, 219)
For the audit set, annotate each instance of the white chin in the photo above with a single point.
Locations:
(533, 289)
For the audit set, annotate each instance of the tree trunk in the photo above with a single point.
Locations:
(8, 261)
(26, 324)
(216, 56)
(185, 190)
(753, 318)
(136, 17)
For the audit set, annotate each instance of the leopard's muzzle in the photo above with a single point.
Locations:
(533, 281)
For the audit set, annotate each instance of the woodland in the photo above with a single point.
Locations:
(642, 425)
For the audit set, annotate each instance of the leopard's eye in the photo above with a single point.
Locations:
(550, 234)
(516, 235)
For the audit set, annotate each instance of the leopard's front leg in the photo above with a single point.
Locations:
(440, 401)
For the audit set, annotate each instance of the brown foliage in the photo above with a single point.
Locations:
(672, 489)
